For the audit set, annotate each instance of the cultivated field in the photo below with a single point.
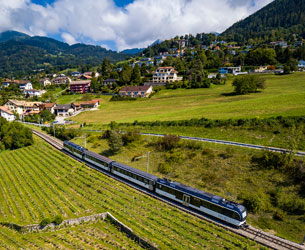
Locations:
(283, 96)
(38, 182)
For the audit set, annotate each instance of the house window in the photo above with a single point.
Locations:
(143, 93)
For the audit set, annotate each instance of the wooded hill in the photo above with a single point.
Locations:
(21, 53)
(281, 19)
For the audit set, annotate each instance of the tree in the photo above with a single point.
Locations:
(248, 84)
(136, 74)
(125, 75)
(115, 141)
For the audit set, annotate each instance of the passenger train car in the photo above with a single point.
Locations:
(227, 211)
(213, 205)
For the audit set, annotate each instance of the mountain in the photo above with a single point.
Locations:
(22, 54)
(281, 19)
(10, 35)
(134, 51)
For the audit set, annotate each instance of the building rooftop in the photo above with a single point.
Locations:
(6, 110)
(135, 88)
(80, 82)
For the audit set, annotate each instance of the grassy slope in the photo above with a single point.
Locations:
(38, 182)
(224, 171)
(284, 95)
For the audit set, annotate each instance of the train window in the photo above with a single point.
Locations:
(178, 194)
(160, 186)
(236, 216)
(195, 201)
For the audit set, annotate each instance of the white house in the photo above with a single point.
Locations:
(7, 114)
(20, 107)
(166, 74)
(33, 92)
(46, 82)
(136, 91)
(64, 110)
(25, 85)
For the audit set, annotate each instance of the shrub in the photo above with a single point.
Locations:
(45, 222)
(248, 84)
(57, 220)
(164, 168)
(131, 136)
(168, 142)
(255, 201)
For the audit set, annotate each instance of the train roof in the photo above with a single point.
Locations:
(201, 194)
(135, 171)
(98, 156)
(72, 144)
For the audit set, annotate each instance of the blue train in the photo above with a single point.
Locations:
(213, 205)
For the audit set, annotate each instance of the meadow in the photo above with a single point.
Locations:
(39, 182)
(219, 169)
(284, 96)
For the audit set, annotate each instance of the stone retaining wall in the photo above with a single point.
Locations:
(103, 216)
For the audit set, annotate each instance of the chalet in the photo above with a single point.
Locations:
(86, 77)
(136, 91)
(64, 110)
(33, 92)
(8, 82)
(80, 86)
(7, 114)
(21, 107)
(49, 106)
(109, 82)
(25, 85)
(61, 80)
(86, 104)
(166, 74)
(45, 82)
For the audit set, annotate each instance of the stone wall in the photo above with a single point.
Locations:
(103, 216)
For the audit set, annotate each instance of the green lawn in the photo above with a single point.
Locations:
(38, 182)
(284, 96)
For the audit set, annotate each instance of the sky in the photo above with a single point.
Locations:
(122, 24)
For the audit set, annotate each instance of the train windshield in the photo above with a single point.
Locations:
(244, 214)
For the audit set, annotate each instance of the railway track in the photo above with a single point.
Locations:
(252, 233)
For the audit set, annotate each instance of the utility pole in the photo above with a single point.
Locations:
(142, 156)
(147, 162)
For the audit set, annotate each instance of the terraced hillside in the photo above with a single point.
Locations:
(38, 182)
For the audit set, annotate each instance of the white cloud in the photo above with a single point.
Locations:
(137, 25)
(68, 38)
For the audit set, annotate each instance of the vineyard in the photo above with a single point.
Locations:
(39, 182)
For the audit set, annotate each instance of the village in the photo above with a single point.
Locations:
(145, 75)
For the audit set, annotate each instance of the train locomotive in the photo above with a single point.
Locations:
(230, 212)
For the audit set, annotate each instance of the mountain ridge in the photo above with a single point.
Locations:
(278, 20)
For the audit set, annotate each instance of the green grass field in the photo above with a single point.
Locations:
(284, 96)
(38, 182)
(221, 170)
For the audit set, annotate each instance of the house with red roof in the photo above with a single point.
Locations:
(7, 114)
